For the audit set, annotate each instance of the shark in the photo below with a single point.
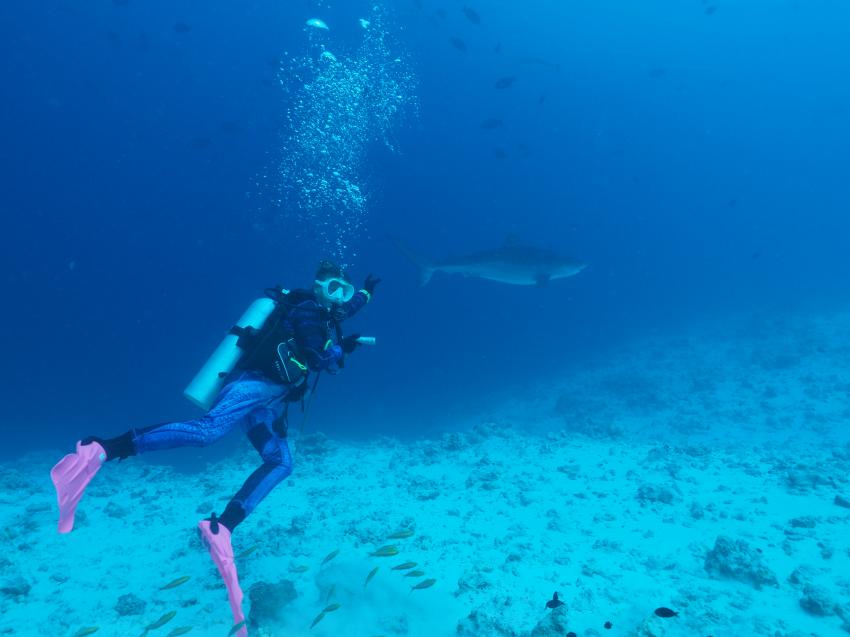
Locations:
(514, 262)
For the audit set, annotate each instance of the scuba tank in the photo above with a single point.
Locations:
(210, 379)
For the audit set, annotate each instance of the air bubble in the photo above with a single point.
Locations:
(339, 108)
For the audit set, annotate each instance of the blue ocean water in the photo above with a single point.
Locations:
(161, 167)
(693, 159)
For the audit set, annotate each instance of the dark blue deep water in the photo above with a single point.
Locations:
(694, 154)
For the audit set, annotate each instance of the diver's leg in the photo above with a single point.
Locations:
(216, 532)
(233, 404)
(216, 537)
(277, 465)
(198, 432)
(72, 474)
(118, 447)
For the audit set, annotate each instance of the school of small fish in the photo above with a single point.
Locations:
(388, 550)
(384, 551)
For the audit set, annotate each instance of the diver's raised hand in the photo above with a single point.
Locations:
(370, 284)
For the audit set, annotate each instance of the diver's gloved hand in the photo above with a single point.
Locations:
(349, 343)
(370, 284)
(338, 359)
(247, 336)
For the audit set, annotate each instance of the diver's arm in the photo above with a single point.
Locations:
(352, 307)
(359, 300)
(329, 358)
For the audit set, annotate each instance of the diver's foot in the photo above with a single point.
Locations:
(216, 536)
(120, 447)
(71, 475)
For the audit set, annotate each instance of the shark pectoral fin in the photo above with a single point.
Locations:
(425, 274)
(542, 279)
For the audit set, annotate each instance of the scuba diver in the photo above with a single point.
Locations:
(259, 369)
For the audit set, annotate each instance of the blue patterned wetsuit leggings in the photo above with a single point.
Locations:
(253, 402)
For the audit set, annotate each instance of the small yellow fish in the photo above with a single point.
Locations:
(400, 535)
(248, 551)
(330, 594)
(369, 577)
(89, 630)
(426, 583)
(331, 608)
(301, 568)
(330, 556)
(236, 628)
(404, 567)
(415, 574)
(180, 630)
(175, 583)
(385, 551)
(159, 623)
(319, 618)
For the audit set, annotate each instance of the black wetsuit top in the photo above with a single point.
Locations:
(316, 332)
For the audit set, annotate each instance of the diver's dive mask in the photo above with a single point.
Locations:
(335, 290)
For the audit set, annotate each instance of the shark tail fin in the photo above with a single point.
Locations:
(426, 266)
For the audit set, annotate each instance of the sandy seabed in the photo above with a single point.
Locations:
(706, 472)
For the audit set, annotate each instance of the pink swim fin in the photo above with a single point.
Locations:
(221, 552)
(71, 475)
